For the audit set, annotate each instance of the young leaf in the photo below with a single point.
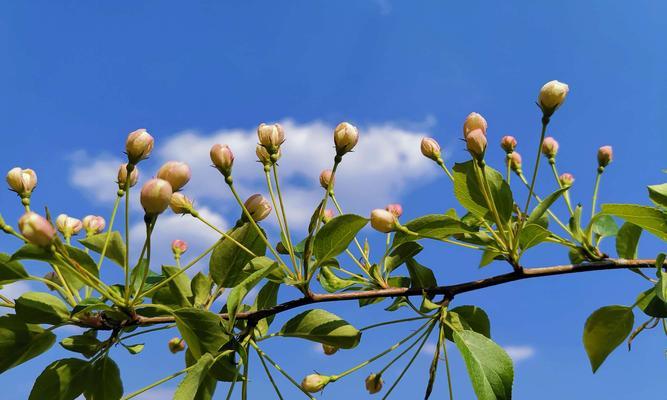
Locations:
(651, 305)
(332, 282)
(201, 289)
(266, 298)
(433, 226)
(604, 225)
(41, 308)
(87, 345)
(62, 380)
(323, 327)
(474, 318)
(627, 241)
(105, 382)
(650, 219)
(420, 276)
(115, 249)
(334, 237)
(20, 342)
(468, 191)
(33, 252)
(10, 271)
(134, 348)
(542, 208)
(605, 330)
(658, 194)
(228, 259)
(187, 389)
(401, 254)
(179, 286)
(202, 330)
(532, 235)
(239, 292)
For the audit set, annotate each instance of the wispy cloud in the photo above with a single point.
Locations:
(520, 353)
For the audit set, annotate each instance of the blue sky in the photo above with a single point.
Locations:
(76, 78)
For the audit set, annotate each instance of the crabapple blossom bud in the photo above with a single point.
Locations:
(263, 155)
(327, 215)
(52, 277)
(514, 160)
(508, 143)
(176, 344)
(551, 96)
(258, 207)
(474, 121)
(346, 137)
(476, 144)
(271, 136)
(36, 229)
(181, 204)
(178, 247)
(549, 147)
(326, 178)
(430, 148)
(314, 383)
(329, 350)
(222, 158)
(156, 196)
(383, 220)
(122, 176)
(566, 179)
(138, 146)
(67, 225)
(395, 209)
(176, 173)
(93, 224)
(605, 156)
(22, 181)
(374, 383)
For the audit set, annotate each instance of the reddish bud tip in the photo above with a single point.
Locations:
(176, 173)
(472, 122)
(395, 209)
(155, 196)
(549, 147)
(327, 178)
(138, 146)
(430, 148)
(476, 144)
(67, 225)
(179, 247)
(605, 156)
(508, 143)
(93, 224)
(36, 229)
(383, 220)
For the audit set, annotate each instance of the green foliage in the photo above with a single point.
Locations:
(433, 226)
(41, 308)
(228, 259)
(468, 191)
(62, 380)
(605, 330)
(104, 380)
(336, 236)
(323, 327)
(20, 342)
(11, 271)
(115, 249)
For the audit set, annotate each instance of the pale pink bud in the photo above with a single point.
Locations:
(514, 160)
(67, 225)
(327, 178)
(430, 148)
(258, 207)
(605, 156)
(138, 146)
(271, 136)
(314, 383)
(374, 383)
(222, 158)
(22, 181)
(176, 173)
(327, 215)
(551, 96)
(263, 155)
(329, 350)
(549, 147)
(474, 121)
(176, 345)
(93, 224)
(395, 209)
(346, 137)
(566, 179)
(36, 229)
(508, 143)
(383, 220)
(122, 176)
(181, 204)
(179, 247)
(476, 144)
(155, 196)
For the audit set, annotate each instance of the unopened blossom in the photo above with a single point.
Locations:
(22, 181)
(314, 383)
(566, 179)
(476, 144)
(474, 121)
(514, 160)
(178, 247)
(327, 178)
(263, 155)
(176, 173)
(138, 146)
(327, 215)
(374, 383)
(383, 220)
(176, 344)
(271, 136)
(430, 148)
(549, 147)
(68, 226)
(36, 229)
(122, 176)
(222, 158)
(155, 196)
(258, 207)
(329, 350)
(346, 137)
(508, 143)
(395, 209)
(552, 95)
(93, 224)
(181, 204)
(605, 156)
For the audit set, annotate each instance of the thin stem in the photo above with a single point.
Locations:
(126, 267)
(566, 195)
(444, 352)
(231, 387)
(290, 247)
(268, 374)
(68, 292)
(244, 384)
(595, 192)
(340, 211)
(225, 235)
(486, 191)
(88, 278)
(396, 321)
(466, 245)
(159, 328)
(158, 382)
(402, 353)
(551, 214)
(150, 225)
(108, 238)
(279, 369)
(545, 122)
(442, 165)
(508, 159)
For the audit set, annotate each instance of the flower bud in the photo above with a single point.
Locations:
(326, 178)
(155, 196)
(176, 173)
(566, 179)
(258, 207)
(552, 95)
(327, 215)
(383, 220)
(36, 229)
(263, 155)
(271, 137)
(329, 350)
(346, 137)
(67, 225)
(181, 204)
(474, 121)
(314, 383)
(374, 383)
(508, 143)
(93, 224)
(549, 147)
(178, 247)
(605, 156)
(514, 160)
(430, 148)
(476, 144)
(122, 176)
(22, 181)
(138, 146)
(395, 209)
(176, 344)
(222, 158)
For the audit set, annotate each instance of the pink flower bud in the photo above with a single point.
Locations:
(329, 350)
(68, 226)
(263, 155)
(566, 179)
(476, 144)
(514, 160)
(176, 345)
(222, 158)
(178, 247)
(474, 121)
(93, 224)
(383, 220)
(36, 229)
(156, 196)
(176, 173)
(271, 136)
(549, 147)
(346, 137)
(552, 95)
(326, 178)
(430, 148)
(122, 176)
(327, 215)
(605, 156)
(138, 146)
(258, 207)
(314, 383)
(181, 204)
(508, 143)
(22, 181)
(395, 209)
(374, 383)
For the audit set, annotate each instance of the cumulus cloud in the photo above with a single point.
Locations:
(95, 175)
(520, 353)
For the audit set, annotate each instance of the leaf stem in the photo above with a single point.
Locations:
(566, 195)
(268, 374)
(288, 236)
(109, 230)
(224, 234)
(356, 242)
(279, 369)
(595, 192)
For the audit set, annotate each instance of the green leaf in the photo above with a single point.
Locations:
(87, 345)
(336, 235)
(62, 380)
(401, 254)
(187, 389)
(332, 282)
(575, 224)
(489, 367)
(605, 330)
(240, 291)
(661, 285)
(433, 226)
(542, 208)
(475, 319)
(420, 276)
(202, 330)
(532, 235)
(627, 240)
(658, 194)
(115, 250)
(105, 382)
(34, 252)
(228, 259)
(201, 289)
(179, 286)
(489, 255)
(468, 191)
(603, 225)
(134, 348)
(41, 308)
(650, 219)
(651, 305)
(11, 271)
(323, 327)
(266, 298)
(20, 342)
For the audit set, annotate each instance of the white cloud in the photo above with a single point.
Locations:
(520, 353)
(95, 175)
(157, 394)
